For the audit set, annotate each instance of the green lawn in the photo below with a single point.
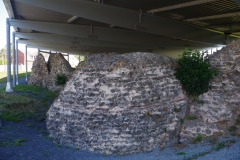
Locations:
(3, 76)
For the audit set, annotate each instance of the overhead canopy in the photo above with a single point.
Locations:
(90, 26)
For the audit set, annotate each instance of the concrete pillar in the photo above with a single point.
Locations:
(17, 63)
(9, 84)
(26, 63)
(13, 59)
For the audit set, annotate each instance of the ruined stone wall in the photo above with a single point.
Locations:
(56, 64)
(44, 74)
(222, 103)
(39, 71)
(119, 103)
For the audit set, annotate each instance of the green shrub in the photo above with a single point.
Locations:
(181, 121)
(60, 79)
(232, 129)
(189, 117)
(198, 138)
(194, 72)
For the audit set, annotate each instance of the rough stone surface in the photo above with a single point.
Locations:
(222, 103)
(119, 103)
(44, 74)
(56, 64)
(39, 71)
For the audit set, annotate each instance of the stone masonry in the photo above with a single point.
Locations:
(222, 103)
(39, 71)
(44, 74)
(56, 64)
(119, 104)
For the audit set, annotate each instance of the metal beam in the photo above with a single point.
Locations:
(130, 19)
(181, 5)
(72, 19)
(60, 49)
(81, 41)
(108, 34)
(80, 47)
(9, 8)
(214, 16)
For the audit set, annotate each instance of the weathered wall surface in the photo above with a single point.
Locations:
(39, 71)
(44, 74)
(120, 104)
(56, 64)
(222, 103)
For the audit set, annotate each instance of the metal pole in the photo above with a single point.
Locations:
(26, 64)
(68, 57)
(79, 59)
(9, 84)
(17, 62)
(13, 59)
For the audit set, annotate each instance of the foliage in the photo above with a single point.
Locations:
(181, 121)
(198, 138)
(61, 79)
(238, 120)
(194, 72)
(17, 106)
(216, 147)
(232, 129)
(181, 153)
(16, 142)
(189, 117)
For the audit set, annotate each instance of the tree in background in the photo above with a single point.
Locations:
(3, 55)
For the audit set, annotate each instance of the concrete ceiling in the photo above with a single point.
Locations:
(92, 26)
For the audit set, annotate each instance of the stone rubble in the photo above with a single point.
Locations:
(44, 74)
(216, 114)
(119, 104)
(132, 103)
(56, 64)
(39, 71)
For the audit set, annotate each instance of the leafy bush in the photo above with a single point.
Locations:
(194, 72)
(189, 117)
(198, 138)
(60, 79)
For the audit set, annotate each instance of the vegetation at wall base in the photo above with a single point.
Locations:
(194, 72)
(61, 79)
(27, 102)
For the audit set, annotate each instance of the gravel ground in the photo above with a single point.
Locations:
(38, 146)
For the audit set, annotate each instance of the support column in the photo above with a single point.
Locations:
(9, 84)
(13, 59)
(26, 63)
(68, 57)
(17, 62)
(79, 59)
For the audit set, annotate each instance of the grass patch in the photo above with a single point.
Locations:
(3, 76)
(15, 106)
(16, 142)
(217, 147)
(28, 88)
(181, 153)
(189, 117)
